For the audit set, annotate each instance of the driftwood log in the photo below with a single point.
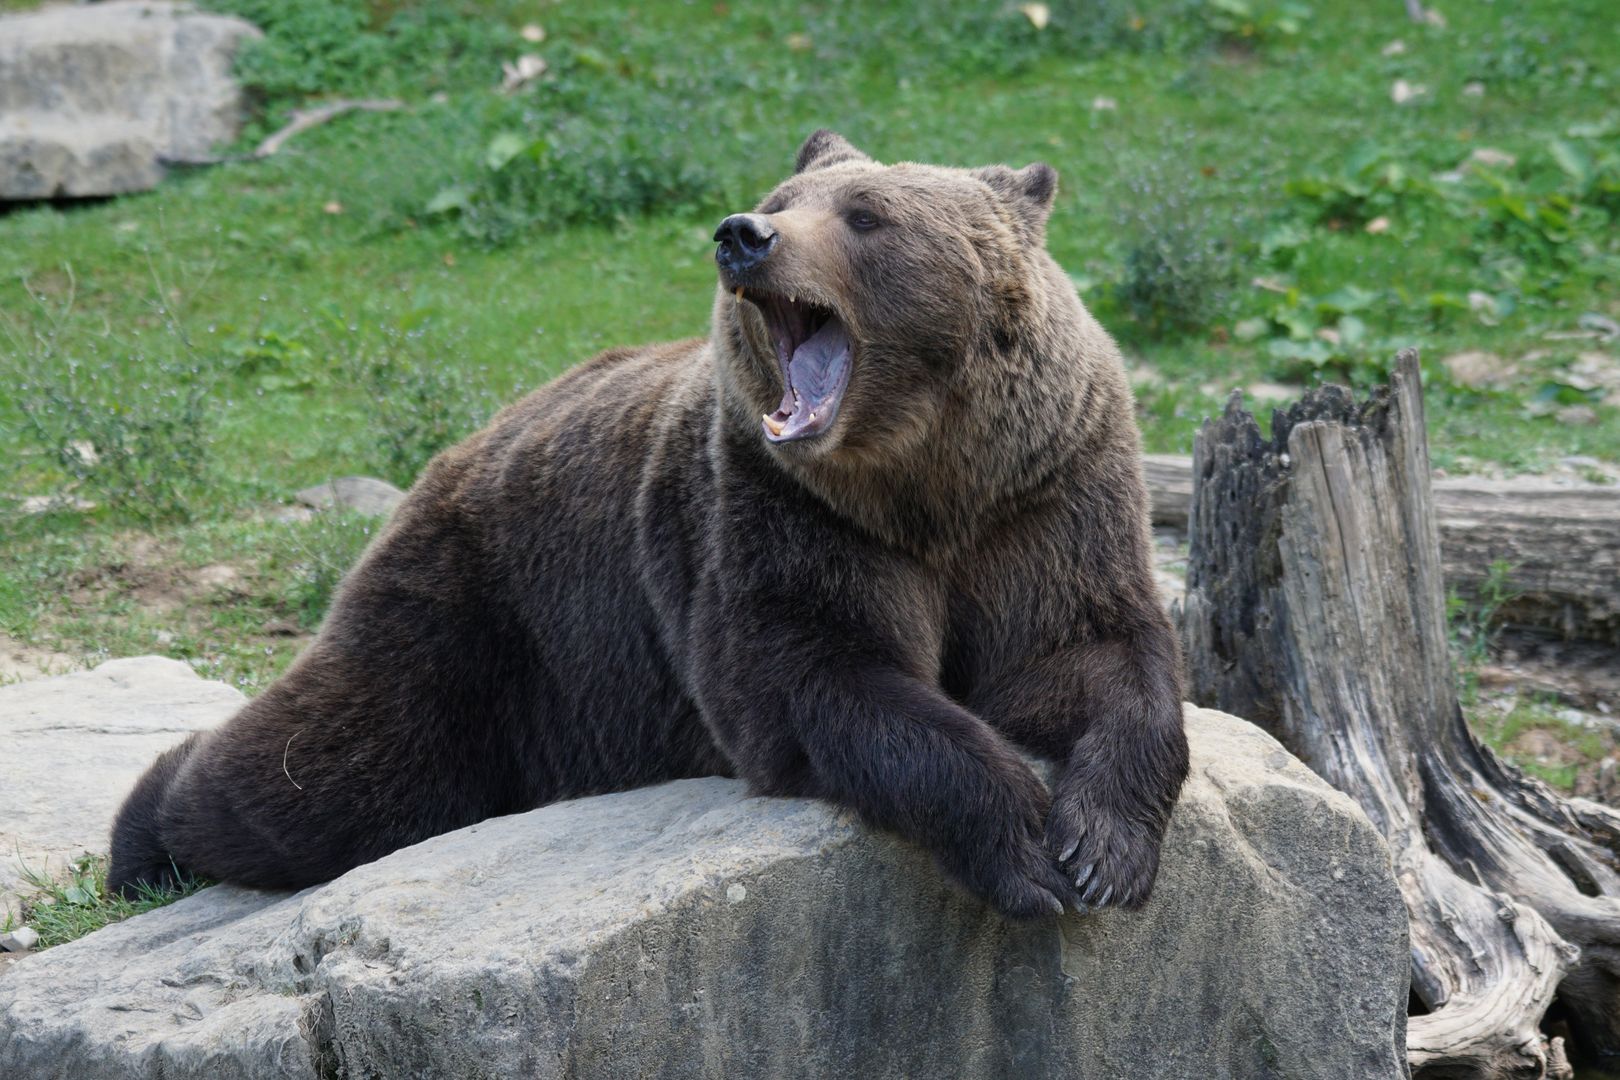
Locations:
(1560, 544)
(1316, 607)
(302, 120)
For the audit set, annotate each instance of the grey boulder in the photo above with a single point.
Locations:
(690, 930)
(361, 494)
(95, 97)
(74, 745)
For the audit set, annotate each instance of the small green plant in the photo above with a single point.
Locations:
(1320, 337)
(1544, 228)
(1552, 395)
(1180, 258)
(1244, 23)
(364, 48)
(1370, 182)
(417, 407)
(67, 908)
(124, 422)
(275, 361)
(594, 157)
(1473, 624)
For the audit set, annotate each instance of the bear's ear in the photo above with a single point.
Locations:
(1029, 191)
(824, 148)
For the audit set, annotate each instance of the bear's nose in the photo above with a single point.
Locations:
(745, 241)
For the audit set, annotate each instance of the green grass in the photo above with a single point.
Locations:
(71, 905)
(1584, 746)
(359, 301)
(367, 296)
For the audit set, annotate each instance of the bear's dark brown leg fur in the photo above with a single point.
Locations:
(140, 855)
(816, 669)
(1124, 756)
(1088, 676)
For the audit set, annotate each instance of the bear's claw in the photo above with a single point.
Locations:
(1111, 858)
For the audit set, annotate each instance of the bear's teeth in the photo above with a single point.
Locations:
(739, 294)
(775, 425)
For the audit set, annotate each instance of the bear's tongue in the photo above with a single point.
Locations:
(816, 375)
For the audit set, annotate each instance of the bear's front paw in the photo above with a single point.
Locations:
(1107, 858)
(1020, 879)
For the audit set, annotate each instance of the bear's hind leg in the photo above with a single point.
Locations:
(334, 767)
(140, 858)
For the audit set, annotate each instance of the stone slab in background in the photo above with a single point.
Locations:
(94, 97)
(689, 930)
(72, 747)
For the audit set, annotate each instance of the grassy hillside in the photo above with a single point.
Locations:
(1243, 201)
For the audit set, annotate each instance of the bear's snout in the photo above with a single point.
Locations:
(745, 240)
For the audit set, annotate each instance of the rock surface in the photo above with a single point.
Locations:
(93, 98)
(362, 494)
(690, 930)
(74, 746)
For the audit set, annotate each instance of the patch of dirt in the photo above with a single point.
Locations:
(215, 576)
(1544, 748)
(137, 597)
(147, 574)
(19, 661)
(1583, 675)
(1481, 369)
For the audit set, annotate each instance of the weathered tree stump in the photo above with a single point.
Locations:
(1315, 607)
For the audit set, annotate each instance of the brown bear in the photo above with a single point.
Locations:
(881, 531)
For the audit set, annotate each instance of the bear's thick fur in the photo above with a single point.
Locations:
(932, 550)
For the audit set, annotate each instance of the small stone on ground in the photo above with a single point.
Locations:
(362, 494)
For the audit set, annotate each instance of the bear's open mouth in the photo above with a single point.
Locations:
(813, 349)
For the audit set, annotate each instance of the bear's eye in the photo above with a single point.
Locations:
(863, 220)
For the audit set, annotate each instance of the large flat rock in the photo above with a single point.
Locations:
(71, 747)
(689, 930)
(95, 97)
